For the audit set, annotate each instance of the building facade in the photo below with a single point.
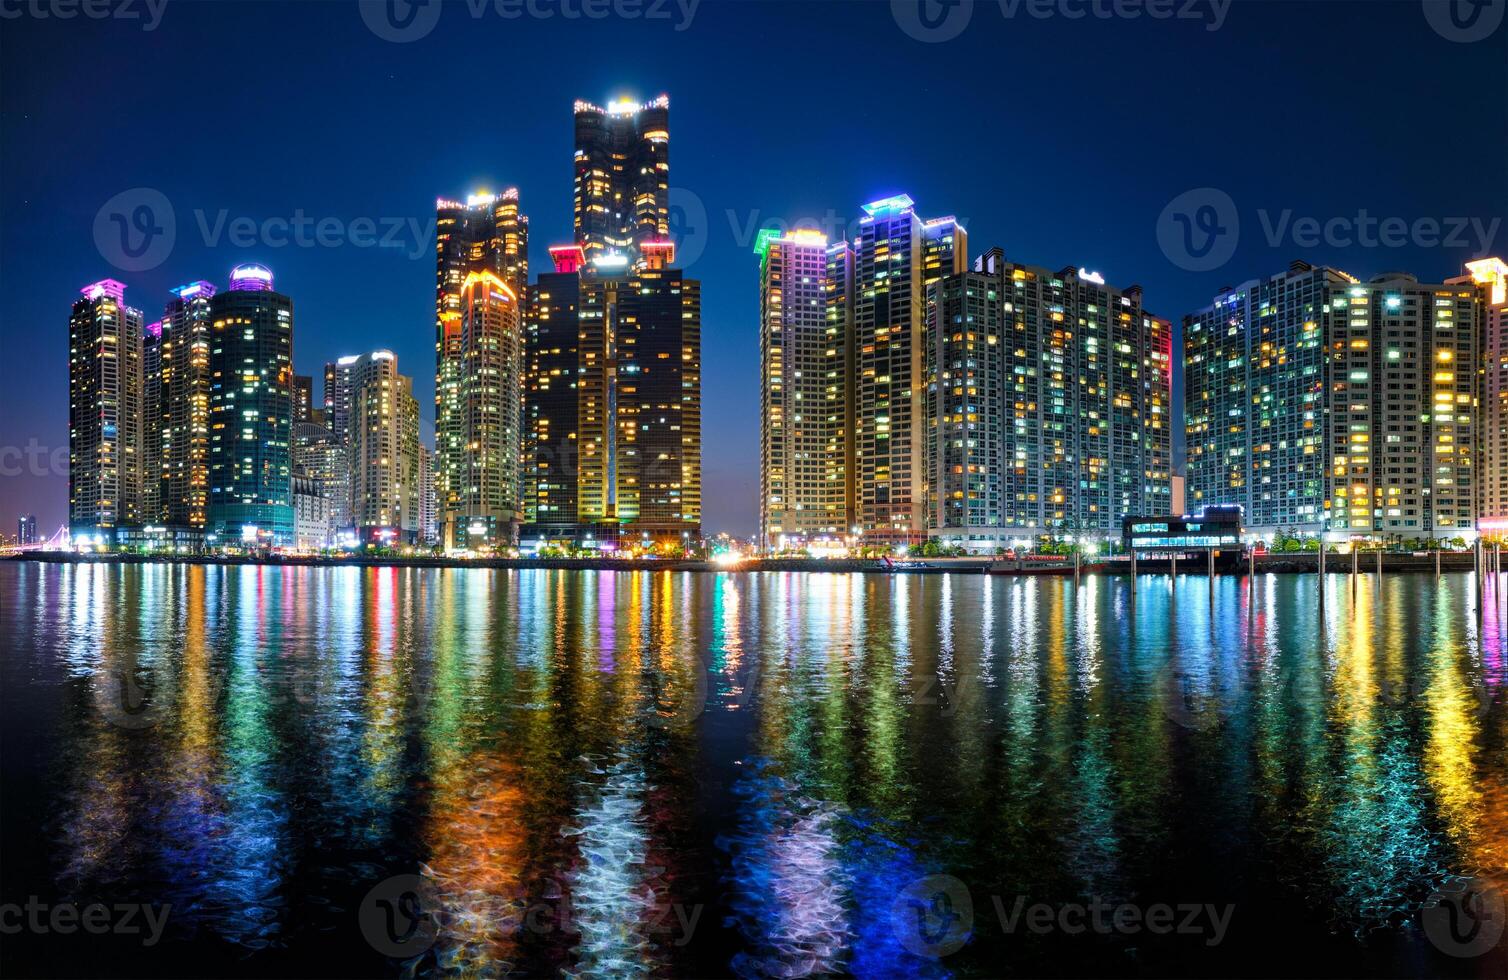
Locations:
(1322, 404)
(106, 415)
(321, 456)
(184, 417)
(622, 184)
(800, 498)
(896, 256)
(26, 529)
(1491, 278)
(384, 452)
(965, 371)
(478, 481)
(616, 412)
(482, 271)
(250, 413)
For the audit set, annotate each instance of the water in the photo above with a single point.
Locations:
(369, 772)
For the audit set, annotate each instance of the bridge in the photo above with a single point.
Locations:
(60, 541)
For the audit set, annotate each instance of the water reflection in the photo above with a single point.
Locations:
(663, 774)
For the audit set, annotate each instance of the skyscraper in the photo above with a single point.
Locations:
(26, 529)
(616, 409)
(1087, 373)
(622, 195)
(1491, 278)
(338, 397)
(896, 255)
(480, 448)
(965, 371)
(1322, 404)
(385, 463)
(801, 498)
(250, 412)
(303, 397)
(106, 409)
(153, 407)
(184, 419)
(480, 243)
(552, 450)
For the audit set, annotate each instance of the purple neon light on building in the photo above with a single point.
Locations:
(251, 278)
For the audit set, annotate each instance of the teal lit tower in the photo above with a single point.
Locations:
(250, 412)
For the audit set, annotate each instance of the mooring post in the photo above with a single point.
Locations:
(1379, 564)
(1437, 562)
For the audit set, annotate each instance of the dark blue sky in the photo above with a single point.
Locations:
(1062, 140)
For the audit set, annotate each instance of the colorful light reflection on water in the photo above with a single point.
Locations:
(659, 774)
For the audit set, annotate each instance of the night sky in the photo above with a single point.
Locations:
(1061, 140)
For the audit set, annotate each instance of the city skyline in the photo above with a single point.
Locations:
(772, 190)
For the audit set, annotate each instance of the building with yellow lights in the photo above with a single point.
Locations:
(1323, 404)
(105, 401)
(802, 496)
(481, 276)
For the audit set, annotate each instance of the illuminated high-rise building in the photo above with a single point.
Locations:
(965, 372)
(386, 468)
(184, 418)
(801, 498)
(1047, 406)
(838, 387)
(338, 396)
(303, 397)
(106, 415)
(896, 256)
(321, 456)
(622, 196)
(1324, 404)
(1490, 275)
(250, 412)
(487, 236)
(1088, 375)
(481, 449)
(616, 455)
(551, 401)
(153, 407)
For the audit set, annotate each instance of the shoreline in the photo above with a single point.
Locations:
(1295, 563)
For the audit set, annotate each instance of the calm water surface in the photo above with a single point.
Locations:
(368, 772)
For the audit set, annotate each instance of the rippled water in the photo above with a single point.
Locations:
(365, 772)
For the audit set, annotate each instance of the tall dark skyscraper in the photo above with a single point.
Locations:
(151, 423)
(251, 412)
(26, 529)
(106, 409)
(622, 176)
(303, 397)
(615, 402)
